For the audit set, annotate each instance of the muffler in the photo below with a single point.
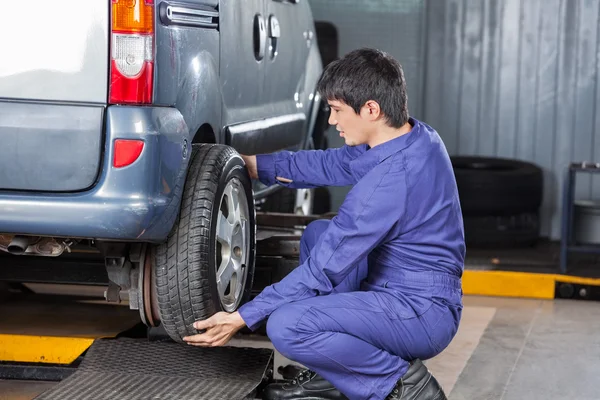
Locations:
(33, 245)
(18, 245)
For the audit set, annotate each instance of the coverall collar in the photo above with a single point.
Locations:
(361, 165)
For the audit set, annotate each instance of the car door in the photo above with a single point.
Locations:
(243, 50)
(285, 68)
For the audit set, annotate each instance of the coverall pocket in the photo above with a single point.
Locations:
(441, 323)
(400, 307)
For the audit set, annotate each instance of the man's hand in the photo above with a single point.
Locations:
(251, 166)
(220, 328)
(253, 169)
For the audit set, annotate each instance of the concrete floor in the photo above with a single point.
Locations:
(506, 349)
(530, 350)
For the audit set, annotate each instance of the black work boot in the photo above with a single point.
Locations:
(417, 384)
(306, 385)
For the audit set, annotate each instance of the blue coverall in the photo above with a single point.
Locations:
(380, 284)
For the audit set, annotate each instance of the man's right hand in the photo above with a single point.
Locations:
(251, 166)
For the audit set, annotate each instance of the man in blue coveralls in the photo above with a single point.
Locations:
(378, 288)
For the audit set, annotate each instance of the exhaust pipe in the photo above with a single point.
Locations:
(18, 245)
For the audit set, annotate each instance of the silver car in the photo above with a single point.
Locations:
(121, 124)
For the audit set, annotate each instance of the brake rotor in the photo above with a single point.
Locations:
(147, 290)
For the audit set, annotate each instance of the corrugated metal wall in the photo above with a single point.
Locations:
(509, 78)
(518, 79)
(395, 26)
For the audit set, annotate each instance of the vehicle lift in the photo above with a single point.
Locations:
(151, 365)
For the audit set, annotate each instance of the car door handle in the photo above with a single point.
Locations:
(274, 29)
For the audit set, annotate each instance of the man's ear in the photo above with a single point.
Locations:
(371, 110)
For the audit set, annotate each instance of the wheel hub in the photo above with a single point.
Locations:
(232, 245)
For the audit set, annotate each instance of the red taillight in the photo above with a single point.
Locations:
(126, 152)
(132, 52)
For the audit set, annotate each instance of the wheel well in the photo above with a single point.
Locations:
(205, 134)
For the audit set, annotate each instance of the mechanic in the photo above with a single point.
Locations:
(378, 288)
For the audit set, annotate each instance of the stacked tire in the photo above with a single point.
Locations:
(500, 200)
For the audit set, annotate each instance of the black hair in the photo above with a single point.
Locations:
(367, 74)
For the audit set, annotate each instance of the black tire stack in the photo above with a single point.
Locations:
(500, 200)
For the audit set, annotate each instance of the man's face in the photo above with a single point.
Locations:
(355, 129)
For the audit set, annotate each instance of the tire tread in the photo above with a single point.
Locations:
(182, 262)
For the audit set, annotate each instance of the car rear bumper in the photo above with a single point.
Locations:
(139, 202)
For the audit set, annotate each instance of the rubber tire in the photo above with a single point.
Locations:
(496, 186)
(185, 263)
(320, 140)
(282, 201)
(328, 41)
(522, 230)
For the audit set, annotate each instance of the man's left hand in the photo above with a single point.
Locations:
(220, 328)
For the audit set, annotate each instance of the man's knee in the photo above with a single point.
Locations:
(313, 231)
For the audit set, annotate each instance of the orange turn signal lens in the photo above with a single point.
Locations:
(132, 16)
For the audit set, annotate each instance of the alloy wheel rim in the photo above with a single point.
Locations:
(232, 245)
(304, 202)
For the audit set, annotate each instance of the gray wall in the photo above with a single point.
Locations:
(395, 26)
(518, 79)
(508, 78)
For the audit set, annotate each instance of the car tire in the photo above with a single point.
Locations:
(505, 231)
(298, 201)
(282, 201)
(187, 264)
(328, 41)
(304, 201)
(496, 186)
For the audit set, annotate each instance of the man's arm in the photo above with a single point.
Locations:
(371, 210)
(306, 168)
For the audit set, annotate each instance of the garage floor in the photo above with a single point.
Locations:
(505, 349)
(524, 349)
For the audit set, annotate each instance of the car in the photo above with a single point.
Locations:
(121, 128)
